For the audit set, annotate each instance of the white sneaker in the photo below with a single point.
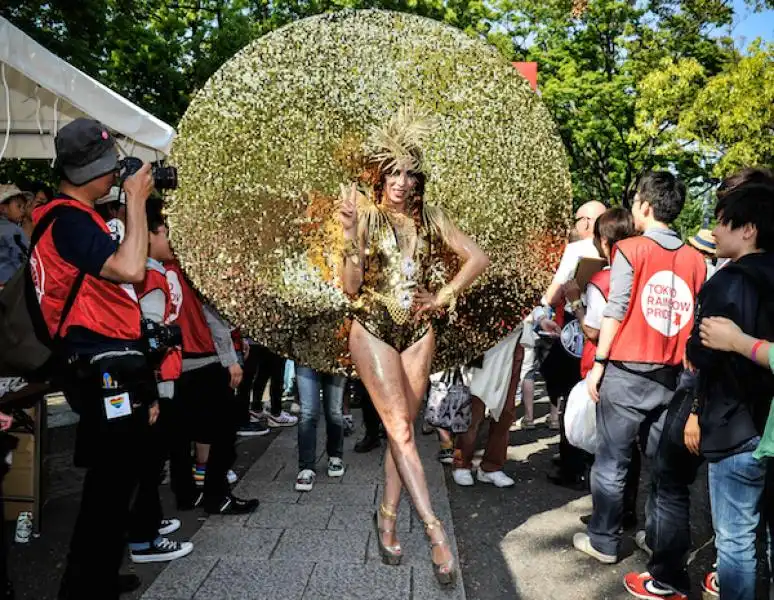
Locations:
(284, 419)
(463, 477)
(335, 467)
(639, 540)
(305, 480)
(498, 478)
(582, 542)
(232, 477)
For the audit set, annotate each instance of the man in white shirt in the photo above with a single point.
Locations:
(560, 370)
(585, 217)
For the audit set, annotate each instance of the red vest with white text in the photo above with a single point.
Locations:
(101, 306)
(658, 323)
(197, 338)
(155, 279)
(601, 281)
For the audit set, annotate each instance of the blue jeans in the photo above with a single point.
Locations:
(736, 485)
(631, 407)
(310, 384)
(290, 375)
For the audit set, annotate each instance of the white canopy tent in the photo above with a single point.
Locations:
(40, 92)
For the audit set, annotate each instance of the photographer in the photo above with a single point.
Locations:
(76, 265)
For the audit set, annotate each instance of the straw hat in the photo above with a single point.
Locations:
(703, 241)
(8, 191)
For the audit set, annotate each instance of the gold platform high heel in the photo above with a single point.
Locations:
(446, 572)
(391, 555)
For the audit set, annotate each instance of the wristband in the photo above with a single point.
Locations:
(602, 361)
(756, 346)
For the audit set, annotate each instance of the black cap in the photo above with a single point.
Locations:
(85, 150)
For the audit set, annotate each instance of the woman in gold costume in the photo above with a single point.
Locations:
(389, 246)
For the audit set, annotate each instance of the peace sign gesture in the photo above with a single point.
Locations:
(348, 209)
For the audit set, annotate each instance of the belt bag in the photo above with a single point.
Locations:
(110, 386)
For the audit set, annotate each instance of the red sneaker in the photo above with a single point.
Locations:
(710, 585)
(642, 585)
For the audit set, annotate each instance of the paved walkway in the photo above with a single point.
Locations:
(311, 546)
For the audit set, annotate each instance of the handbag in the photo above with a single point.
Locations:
(449, 403)
(580, 419)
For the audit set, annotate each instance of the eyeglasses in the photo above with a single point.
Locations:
(579, 219)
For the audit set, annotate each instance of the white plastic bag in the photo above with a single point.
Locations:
(580, 419)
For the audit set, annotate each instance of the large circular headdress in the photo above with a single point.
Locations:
(267, 141)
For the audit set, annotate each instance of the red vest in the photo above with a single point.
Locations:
(155, 279)
(197, 338)
(601, 281)
(658, 323)
(101, 306)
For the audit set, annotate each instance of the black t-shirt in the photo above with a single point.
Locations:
(83, 244)
(735, 393)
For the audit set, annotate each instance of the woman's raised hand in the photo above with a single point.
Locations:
(348, 208)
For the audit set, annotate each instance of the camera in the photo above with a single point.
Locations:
(164, 178)
(158, 338)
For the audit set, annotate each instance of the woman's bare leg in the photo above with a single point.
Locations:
(381, 369)
(416, 365)
(416, 369)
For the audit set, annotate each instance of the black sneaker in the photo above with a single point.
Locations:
(253, 429)
(169, 526)
(163, 550)
(231, 505)
(367, 444)
(446, 456)
(577, 483)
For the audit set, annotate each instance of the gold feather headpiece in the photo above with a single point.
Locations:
(398, 144)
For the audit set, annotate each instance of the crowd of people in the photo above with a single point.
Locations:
(669, 340)
(658, 322)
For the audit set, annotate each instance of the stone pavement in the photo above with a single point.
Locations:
(311, 546)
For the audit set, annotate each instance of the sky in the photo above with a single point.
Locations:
(749, 25)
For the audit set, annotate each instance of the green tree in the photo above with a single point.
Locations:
(631, 85)
(732, 116)
(592, 71)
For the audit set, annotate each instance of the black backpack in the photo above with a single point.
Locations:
(26, 347)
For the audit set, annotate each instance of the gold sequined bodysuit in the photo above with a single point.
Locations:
(391, 274)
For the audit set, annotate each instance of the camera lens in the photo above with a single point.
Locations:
(165, 178)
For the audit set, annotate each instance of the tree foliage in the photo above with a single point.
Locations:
(732, 116)
(632, 85)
